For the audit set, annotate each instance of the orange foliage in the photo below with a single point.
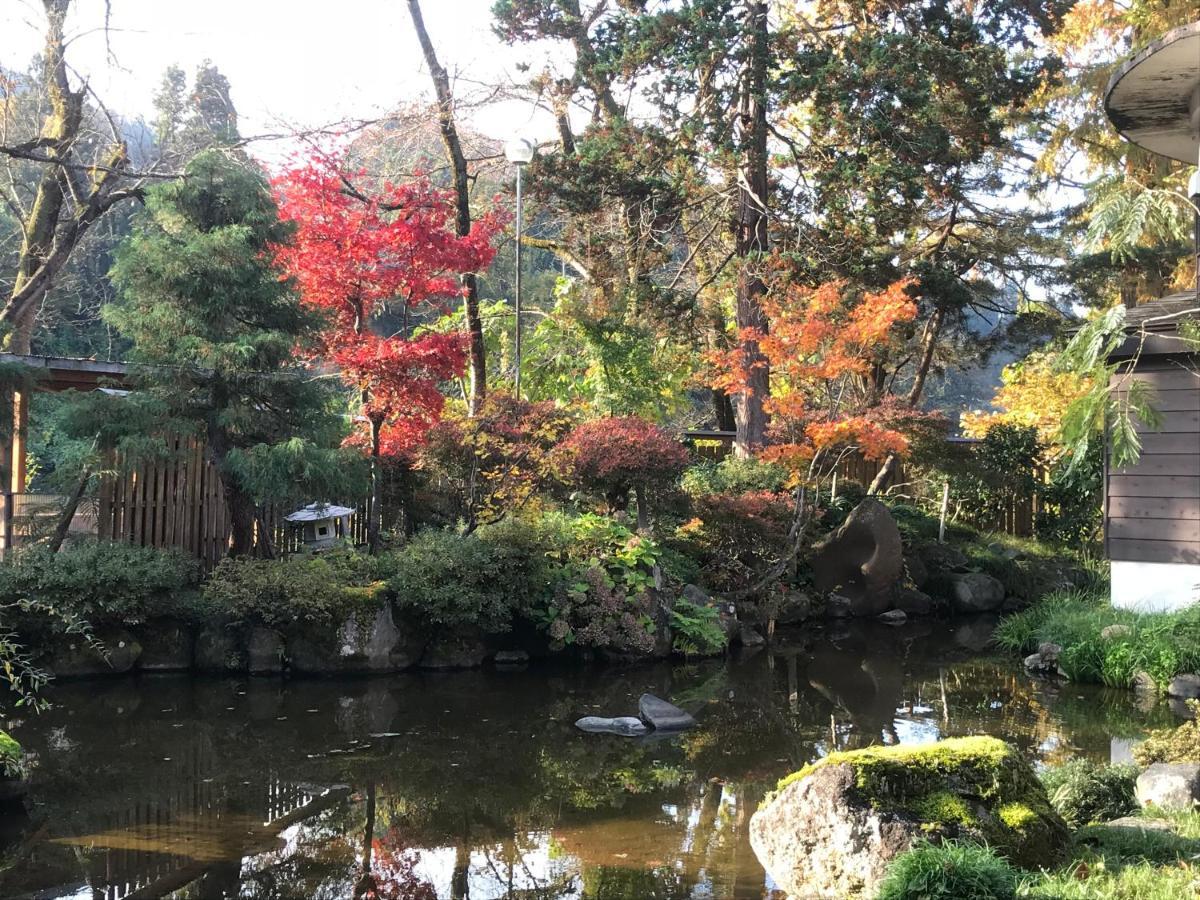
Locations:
(820, 347)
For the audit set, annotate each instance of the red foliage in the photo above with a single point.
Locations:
(353, 252)
(618, 453)
(820, 347)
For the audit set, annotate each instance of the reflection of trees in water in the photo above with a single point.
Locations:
(486, 772)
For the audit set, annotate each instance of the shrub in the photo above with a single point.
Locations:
(1084, 792)
(736, 536)
(604, 598)
(949, 871)
(732, 475)
(12, 758)
(450, 580)
(316, 592)
(102, 581)
(491, 464)
(617, 455)
(1172, 745)
(696, 629)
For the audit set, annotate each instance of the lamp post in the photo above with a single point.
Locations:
(519, 152)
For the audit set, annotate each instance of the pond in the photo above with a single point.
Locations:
(476, 784)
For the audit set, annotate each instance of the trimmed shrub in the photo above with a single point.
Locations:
(1172, 745)
(949, 871)
(615, 455)
(732, 475)
(1084, 792)
(102, 581)
(448, 580)
(316, 592)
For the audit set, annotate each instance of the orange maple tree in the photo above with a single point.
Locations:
(820, 346)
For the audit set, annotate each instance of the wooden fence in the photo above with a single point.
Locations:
(177, 501)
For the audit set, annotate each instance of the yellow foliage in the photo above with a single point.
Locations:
(1031, 394)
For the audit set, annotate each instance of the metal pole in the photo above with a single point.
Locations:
(517, 339)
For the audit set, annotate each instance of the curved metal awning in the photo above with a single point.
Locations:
(1154, 98)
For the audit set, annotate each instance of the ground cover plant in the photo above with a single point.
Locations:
(1159, 644)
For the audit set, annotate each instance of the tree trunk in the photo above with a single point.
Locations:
(60, 128)
(242, 511)
(929, 340)
(752, 239)
(375, 517)
(68, 512)
(462, 207)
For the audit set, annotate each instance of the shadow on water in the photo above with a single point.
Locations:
(477, 785)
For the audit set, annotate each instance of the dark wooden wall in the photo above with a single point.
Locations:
(1152, 509)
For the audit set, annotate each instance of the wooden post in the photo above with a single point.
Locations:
(945, 507)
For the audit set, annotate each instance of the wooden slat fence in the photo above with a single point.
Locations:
(177, 502)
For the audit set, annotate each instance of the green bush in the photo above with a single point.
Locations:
(1161, 644)
(696, 629)
(313, 591)
(1172, 745)
(450, 580)
(102, 581)
(1084, 792)
(949, 871)
(734, 476)
(12, 758)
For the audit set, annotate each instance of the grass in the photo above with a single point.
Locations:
(949, 871)
(1127, 864)
(1161, 644)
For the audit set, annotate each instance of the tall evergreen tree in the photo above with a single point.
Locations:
(215, 327)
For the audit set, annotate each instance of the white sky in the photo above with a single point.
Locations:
(291, 63)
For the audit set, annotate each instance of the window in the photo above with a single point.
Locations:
(323, 530)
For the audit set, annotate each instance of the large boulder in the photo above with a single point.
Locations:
(832, 828)
(1170, 786)
(455, 651)
(264, 651)
(976, 592)
(863, 560)
(726, 611)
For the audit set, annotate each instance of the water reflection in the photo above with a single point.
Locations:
(476, 785)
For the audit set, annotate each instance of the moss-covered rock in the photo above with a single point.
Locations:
(830, 828)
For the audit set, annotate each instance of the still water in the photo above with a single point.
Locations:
(476, 784)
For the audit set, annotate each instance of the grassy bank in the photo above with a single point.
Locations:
(1104, 645)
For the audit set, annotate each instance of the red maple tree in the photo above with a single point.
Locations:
(358, 250)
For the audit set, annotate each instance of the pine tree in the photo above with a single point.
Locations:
(215, 327)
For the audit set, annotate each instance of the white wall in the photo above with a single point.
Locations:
(1154, 587)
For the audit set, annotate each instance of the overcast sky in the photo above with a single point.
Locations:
(291, 63)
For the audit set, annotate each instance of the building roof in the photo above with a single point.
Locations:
(1151, 97)
(1165, 313)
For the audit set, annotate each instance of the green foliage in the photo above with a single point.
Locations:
(1125, 215)
(102, 581)
(1162, 644)
(1173, 745)
(316, 592)
(1126, 863)
(1084, 792)
(216, 329)
(696, 630)
(732, 475)
(12, 763)
(23, 622)
(949, 871)
(446, 580)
